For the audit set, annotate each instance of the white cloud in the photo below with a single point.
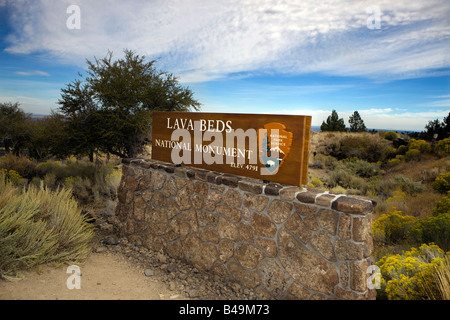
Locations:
(31, 104)
(386, 118)
(204, 40)
(33, 73)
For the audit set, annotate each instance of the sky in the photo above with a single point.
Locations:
(389, 60)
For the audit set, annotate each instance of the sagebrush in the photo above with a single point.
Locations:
(39, 226)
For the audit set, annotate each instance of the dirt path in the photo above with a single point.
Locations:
(104, 276)
(119, 270)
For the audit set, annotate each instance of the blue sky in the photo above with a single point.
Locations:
(387, 59)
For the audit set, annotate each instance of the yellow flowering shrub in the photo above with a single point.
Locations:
(11, 175)
(442, 182)
(393, 162)
(443, 146)
(413, 155)
(398, 195)
(314, 183)
(403, 277)
(392, 226)
(420, 145)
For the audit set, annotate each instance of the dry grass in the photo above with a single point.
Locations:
(442, 278)
(439, 287)
(425, 170)
(419, 205)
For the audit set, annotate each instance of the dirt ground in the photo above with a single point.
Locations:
(104, 276)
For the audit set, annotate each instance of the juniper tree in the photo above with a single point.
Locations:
(356, 123)
(111, 108)
(333, 123)
(14, 129)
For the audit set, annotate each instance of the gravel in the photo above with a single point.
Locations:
(180, 278)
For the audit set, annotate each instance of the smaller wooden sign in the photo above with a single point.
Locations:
(260, 146)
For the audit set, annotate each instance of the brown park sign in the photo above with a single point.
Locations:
(259, 146)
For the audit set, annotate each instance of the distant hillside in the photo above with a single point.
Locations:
(39, 116)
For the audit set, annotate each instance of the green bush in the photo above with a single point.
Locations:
(413, 155)
(366, 147)
(362, 168)
(44, 168)
(393, 227)
(442, 206)
(347, 180)
(442, 183)
(391, 135)
(89, 182)
(39, 226)
(406, 184)
(402, 150)
(385, 188)
(330, 162)
(432, 229)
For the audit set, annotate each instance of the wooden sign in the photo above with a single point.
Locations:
(260, 146)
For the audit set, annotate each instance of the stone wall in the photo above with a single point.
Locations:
(284, 242)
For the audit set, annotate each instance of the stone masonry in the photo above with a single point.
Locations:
(284, 242)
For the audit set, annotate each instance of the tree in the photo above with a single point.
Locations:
(356, 123)
(333, 123)
(436, 127)
(111, 109)
(83, 122)
(14, 129)
(49, 137)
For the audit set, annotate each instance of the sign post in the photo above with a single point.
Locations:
(259, 146)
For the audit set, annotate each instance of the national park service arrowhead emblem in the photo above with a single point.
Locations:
(275, 144)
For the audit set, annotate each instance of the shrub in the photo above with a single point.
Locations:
(398, 195)
(402, 150)
(39, 226)
(443, 146)
(404, 276)
(385, 188)
(406, 184)
(420, 145)
(314, 182)
(11, 175)
(365, 147)
(81, 188)
(346, 179)
(330, 162)
(442, 206)
(391, 135)
(413, 155)
(362, 168)
(432, 229)
(89, 182)
(393, 162)
(338, 190)
(46, 167)
(392, 227)
(24, 166)
(441, 280)
(442, 183)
